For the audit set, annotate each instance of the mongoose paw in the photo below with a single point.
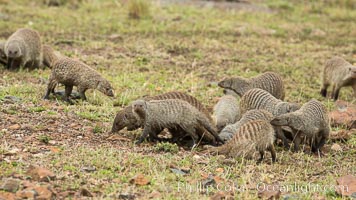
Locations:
(139, 141)
(46, 97)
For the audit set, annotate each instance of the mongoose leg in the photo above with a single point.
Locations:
(324, 134)
(281, 136)
(81, 91)
(354, 88)
(273, 153)
(262, 155)
(324, 90)
(68, 91)
(50, 88)
(144, 134)
(297, 141)
(336, 94)
(191, 131)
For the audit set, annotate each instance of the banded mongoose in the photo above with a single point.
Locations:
(311, 121)
(338, 73)
(261, 99)
(255, 135)
(24, 49)
(171, 114)
(3, 58)
(71, 73)
(228, 132)
(49, 56)
(226, 111)
(269, 81)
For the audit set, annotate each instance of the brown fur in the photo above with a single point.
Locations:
(268, 81)
(311, 121)
(171, 114)
(338, 73)
(126, 118)
(24, 49)
(255, 135)
(71, 73)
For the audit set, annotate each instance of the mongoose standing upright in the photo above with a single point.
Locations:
(311, 121)
(171, 114)
(226, 111)
(269, 81)
(249, 137)
(24, 49)
(3, 58)
(338, 73)
(228, 132)
(261, 99)
(71, 73)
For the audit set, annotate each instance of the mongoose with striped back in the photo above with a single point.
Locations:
(24, 49)
(126, 118)
(228, 132)
(171, 114)
(255, 135)
(338, 73)
(260, 99)
(269, 81)
(226, 111)
(311, 121)
(71, 72)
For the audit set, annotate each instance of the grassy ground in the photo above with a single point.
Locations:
(177, 47)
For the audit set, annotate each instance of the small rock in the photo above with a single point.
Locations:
(11, 99)
(343, 115)
(218, 196)
(44, 192)
(10, 185)
(88, 169)
(336, 147)
(83, 192)
(14, 127)
(40, 174)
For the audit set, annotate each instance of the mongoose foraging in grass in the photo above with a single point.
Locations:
(71, 73)
(311, 121)
(126, 118)
(228, 132)
(3, 58)
(171, 114)
(338, 73)
(261, 99)
(249, 137)
(226, 111)
(269, 81)
(24, 49)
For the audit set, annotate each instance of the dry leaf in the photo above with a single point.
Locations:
(346, 185)
(139, 179)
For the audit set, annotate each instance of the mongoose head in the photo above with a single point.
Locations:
(105, 87)
(125, 118)
(238, 84)
(13, 50)
(139, 107)
(293, 107)
(220, 125)
(282, 120)
(292, 120)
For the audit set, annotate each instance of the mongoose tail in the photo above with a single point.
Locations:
(210, 129)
